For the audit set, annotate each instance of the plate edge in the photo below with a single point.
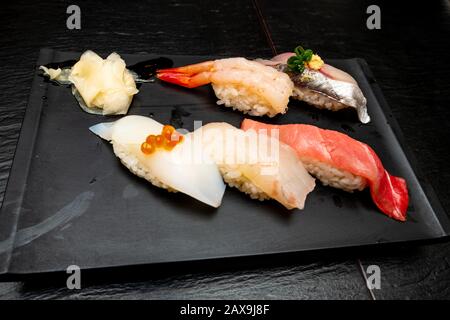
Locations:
(441, 215)
(18, 173)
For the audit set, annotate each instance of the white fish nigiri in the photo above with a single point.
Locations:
(257, 164)
(163, 168)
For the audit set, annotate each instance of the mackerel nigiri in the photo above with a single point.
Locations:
(342, 162)
(320, 84)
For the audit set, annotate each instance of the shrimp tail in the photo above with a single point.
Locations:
(190, 76)
(184, 80)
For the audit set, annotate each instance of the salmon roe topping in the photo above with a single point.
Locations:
(147, 148)
(151, 139)
(159, 140)
(167, 140)
(167, 132)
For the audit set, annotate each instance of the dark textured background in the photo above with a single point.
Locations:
(408, 57)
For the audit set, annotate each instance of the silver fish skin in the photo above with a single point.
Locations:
(340, 93)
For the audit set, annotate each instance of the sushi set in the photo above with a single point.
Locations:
(149, 159)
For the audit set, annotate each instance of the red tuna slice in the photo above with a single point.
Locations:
(338, 150)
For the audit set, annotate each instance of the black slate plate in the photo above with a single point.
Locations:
(70, 201)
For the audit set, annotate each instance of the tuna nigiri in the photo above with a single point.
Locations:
(342, 162)
(241, 84)
(153, 152)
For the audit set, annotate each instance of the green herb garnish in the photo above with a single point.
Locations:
(297, 63)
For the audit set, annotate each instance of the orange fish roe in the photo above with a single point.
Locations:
(168, 139)
(147, 148)
(167, 132)
(151, 139)
(159, 141)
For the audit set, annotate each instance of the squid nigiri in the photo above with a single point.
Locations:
(257, 165)
(153, 152)
(239, 83)
(320, 84)
(342, 162)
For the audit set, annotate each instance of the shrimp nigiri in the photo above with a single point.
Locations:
(342, 162)
(154, 152)
(239, 83)
(257, 164)
(320, 84)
